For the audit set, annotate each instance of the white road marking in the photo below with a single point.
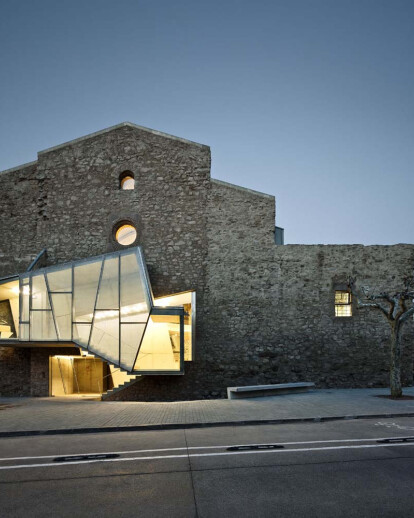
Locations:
(190, 455)
(99, 453)
(394, 425)
(218, 447)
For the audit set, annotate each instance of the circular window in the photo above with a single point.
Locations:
(127, 183)
(126, 234)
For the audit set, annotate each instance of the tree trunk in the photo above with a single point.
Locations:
(395, 369)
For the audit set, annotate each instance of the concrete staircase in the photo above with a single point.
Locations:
(121, 380)
(120, 377)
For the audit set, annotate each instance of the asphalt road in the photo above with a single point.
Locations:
(336, 469)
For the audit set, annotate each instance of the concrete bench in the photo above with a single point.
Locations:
(267, 390)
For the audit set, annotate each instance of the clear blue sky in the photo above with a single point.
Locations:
(309, 100)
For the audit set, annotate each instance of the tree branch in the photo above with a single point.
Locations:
(365, 291)
(405, 316)
(374, 305)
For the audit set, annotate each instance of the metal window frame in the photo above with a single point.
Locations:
(162, 312)
(193, 315)
(4, 280)
(343, 304)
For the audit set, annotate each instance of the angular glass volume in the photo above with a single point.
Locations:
(104, 305)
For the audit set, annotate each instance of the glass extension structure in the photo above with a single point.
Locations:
(104, 305)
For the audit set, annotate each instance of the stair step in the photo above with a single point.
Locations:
(120, 387)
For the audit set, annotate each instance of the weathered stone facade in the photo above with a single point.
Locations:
(265, 313)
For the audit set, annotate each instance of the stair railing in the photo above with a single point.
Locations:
(61, 375)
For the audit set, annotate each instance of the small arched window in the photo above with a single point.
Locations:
(127, 181)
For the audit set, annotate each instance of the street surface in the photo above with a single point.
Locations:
(332, 469)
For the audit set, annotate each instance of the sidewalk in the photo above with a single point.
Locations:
(27, 416)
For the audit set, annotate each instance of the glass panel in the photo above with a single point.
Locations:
(135, 304)
(126, 235)
(131, 335)
(25, 295)
(160, 348)
(186, 301)
(40, 297)
(81, 334)
(86, 278)
(42, 326)
(105, 335)
(108, 296)
(24, 332)
(62, 309)
(60, 280)
(342, 297)
(343, 310)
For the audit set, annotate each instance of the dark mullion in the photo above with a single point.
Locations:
(72, 302)
(20, 302)
(140, 343)
(119, 309)
(182, 342)
(144, 277)
(123, 323)
(30, 306)
(193, 323)
(51, 305)
(108, 309)
(96, 301)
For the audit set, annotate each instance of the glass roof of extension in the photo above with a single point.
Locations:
(105, 305)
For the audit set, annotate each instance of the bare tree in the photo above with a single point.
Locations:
(397, 309)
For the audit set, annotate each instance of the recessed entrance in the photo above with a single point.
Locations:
(76, 376)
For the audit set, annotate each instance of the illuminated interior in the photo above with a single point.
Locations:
(160, 348)
(127, 183)
(76, 375)
(126, 235)
(186, 299)
(343, 304)
(103, 304)
(9, 309)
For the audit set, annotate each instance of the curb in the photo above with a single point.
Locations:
(183, 426)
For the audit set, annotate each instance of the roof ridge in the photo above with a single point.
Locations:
(116, 126)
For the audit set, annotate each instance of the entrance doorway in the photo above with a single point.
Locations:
(76, 376)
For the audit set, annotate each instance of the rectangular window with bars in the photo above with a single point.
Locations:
(343, 303)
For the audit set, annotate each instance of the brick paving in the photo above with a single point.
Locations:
(24, 414)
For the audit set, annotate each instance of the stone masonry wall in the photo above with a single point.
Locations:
(272, 307)
(14, 371)
(265, 313)
(25, 370)
(70, 200)
(240, 227)
(269, 310)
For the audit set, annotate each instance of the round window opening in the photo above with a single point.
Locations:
(128, 183)
(126, 234)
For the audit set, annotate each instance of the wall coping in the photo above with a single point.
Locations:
(243, 189)
(18, 167)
